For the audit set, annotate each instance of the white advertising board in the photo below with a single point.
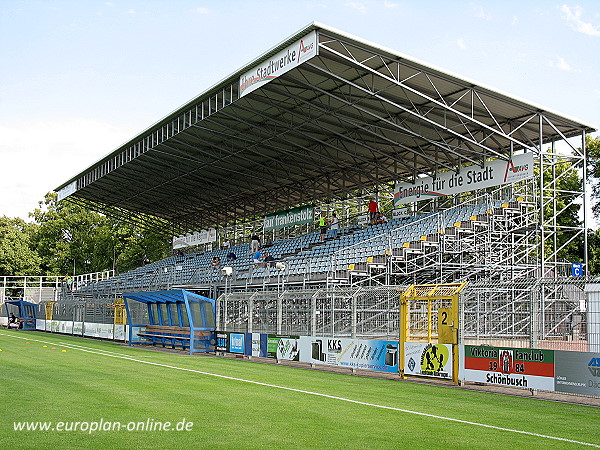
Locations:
(428, 360)
(196, 238)
(284, 61)
(493, 173)
(369, 354)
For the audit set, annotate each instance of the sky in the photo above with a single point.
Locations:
(78, 78)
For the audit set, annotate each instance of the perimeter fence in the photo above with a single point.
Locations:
(529, 313)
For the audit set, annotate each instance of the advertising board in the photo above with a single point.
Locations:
(428, 360)
(577, 372)
(493, 173)
(511, 367)
(282, 62)
(353, 353)
(283, 347)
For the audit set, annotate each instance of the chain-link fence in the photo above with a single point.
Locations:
(528, 313)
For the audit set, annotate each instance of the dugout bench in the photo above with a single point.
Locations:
(177, 318)
(163, 334)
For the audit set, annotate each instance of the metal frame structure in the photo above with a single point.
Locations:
(356, 115)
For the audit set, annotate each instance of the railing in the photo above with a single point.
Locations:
(429, 224)
(78, 281)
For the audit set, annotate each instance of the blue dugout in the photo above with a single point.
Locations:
(176, 316)
(26, 313)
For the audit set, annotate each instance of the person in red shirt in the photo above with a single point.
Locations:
(373, 211)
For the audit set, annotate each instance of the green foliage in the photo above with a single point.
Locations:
(17, 255)
(593, 252)
(73, 239)
(593, 154)
(134, 246)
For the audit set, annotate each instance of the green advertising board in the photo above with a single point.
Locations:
(297, 216)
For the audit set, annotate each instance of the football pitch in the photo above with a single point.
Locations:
(67, 392)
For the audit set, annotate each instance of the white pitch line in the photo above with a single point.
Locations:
(318, 394)
(113, 353)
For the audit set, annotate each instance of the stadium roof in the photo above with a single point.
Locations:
(317, 117)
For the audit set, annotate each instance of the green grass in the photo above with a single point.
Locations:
(41, 384)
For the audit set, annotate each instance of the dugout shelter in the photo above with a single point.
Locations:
(25, 312)
(178, 316)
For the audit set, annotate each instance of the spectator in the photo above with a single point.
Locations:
(231, 256)
(268, 241)
(334, 224)
(12, 321)
(225, 245)
(268, 259)
(380, 218)
(254, 243)
(322, 226)
(256, 257)
(68, 280)
(373, 209)
(216, 262)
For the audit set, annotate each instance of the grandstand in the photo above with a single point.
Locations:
(417, 248)
(340, 124)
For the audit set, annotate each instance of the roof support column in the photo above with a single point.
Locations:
(542, 257)
(585, 202)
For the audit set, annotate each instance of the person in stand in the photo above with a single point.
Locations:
(380, 219)
(268, 241)
(231, 256)
(254, 243)
(68, 280)
(226, 244)
(322, 226)
(334, 224)
(268, 259)
(373, 209)
(216, 262)
(256, 258)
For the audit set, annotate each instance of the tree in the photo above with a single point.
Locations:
(593, 252)
(67, 237)
(17, 255)
(70, 238)
(133, 246)
(593, 154)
